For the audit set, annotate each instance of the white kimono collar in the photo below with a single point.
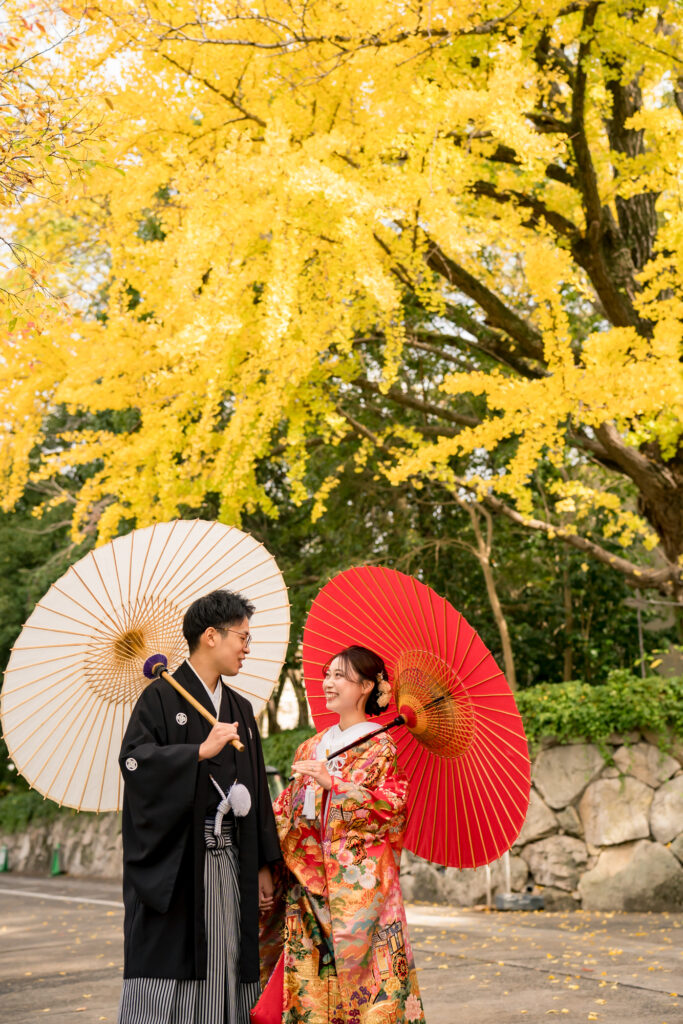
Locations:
(335, 738)
(217, 694)
(332, 740)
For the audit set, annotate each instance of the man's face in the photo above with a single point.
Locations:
(229, 647)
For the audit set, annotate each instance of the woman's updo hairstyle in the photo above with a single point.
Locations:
(367, 665)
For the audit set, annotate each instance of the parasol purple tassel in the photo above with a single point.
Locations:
(154, 666)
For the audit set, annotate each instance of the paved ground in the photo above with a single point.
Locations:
(61, 950)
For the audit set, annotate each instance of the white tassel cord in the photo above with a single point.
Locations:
(309, 803)
(334, 767)
(238, 800)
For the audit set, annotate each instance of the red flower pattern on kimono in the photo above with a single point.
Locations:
(348, 958)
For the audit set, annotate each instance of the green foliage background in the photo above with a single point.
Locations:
(624, 703)
(566, 711)
(279, 749)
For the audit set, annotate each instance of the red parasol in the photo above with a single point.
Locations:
(465, 751)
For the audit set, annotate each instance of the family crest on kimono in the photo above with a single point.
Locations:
(347, 955)
(198, 835)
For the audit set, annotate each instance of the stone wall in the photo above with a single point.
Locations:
(597, 835)
(89, 846)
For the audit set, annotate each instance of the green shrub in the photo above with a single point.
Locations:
(279, 749)
(568, 711)
(625, 703)
(19, 808)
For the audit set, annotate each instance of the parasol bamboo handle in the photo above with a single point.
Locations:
(399, 720)
(406, 716)
(237, 744)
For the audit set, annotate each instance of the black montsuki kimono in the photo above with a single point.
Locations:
(167, 796)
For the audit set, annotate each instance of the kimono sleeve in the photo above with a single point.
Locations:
(283, 805)
(160, 786)
(282, 809)
(379, 793)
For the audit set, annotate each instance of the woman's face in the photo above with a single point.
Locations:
(344, 690)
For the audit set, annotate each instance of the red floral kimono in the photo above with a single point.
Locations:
(347, 957)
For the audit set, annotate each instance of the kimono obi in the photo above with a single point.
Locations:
(227, 836)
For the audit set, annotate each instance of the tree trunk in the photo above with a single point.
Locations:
(273, 706)
(296, 679)
(568, 667)
(483, 553)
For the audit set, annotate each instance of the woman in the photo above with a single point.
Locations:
(347, 958)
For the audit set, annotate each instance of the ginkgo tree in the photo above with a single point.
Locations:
(453, 231)
(45, 136)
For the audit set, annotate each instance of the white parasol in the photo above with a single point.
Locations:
(76, 669)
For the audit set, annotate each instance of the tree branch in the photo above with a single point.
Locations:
(362, 430)
(499, 315)
(562, 225)
(296, 38)
(229, 97)
(588, 180)
(589, 251)
(667, 579)
(410, 402)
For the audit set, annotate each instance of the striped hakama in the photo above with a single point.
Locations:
(221, 998)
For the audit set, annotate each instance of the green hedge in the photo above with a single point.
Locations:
(568, 711)
(18, 808)
(279, 749)
(625, 703)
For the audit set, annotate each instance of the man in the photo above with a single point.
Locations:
(195, 873)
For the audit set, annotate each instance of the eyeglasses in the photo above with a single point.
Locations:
(245, 637)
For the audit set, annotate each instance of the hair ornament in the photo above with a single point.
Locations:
(384, 687)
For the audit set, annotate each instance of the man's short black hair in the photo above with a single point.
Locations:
(219, 609)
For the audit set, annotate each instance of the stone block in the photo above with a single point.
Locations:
(673, 743)
(467, 887)
(557, 861)
(569, 822)
(666, 816)
(90, 845)
(560, 899)
(617, 739)
(638, 876)
(424, 884)
(539, 822)
(677, 847)
(561, 774)
(646, 763)
(519, 872)
(408, 859)
(615, 811)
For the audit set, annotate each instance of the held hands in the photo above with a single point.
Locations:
(222, 733)
(316, 769)
(265, 889)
